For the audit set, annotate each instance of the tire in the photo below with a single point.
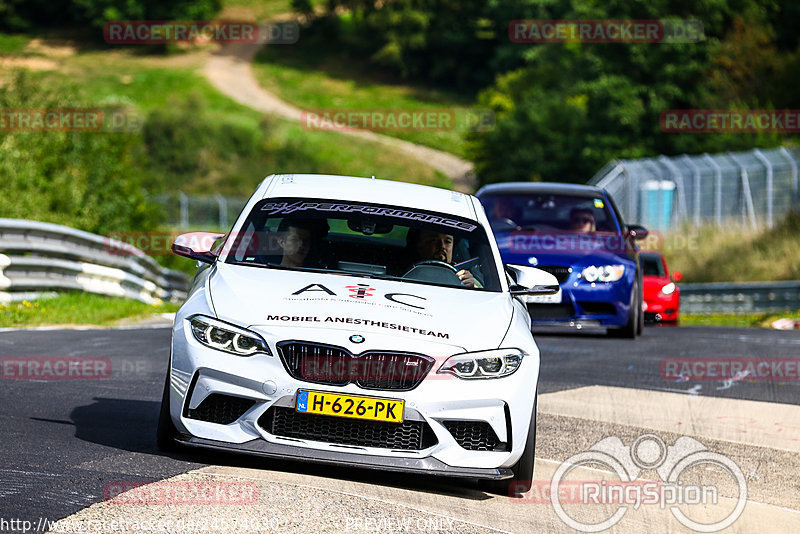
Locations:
(522, 481)
(631, 328)
(166, 433)
(640, 327)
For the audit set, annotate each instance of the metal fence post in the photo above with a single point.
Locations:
(793, 162)
(184, 209)
(749, 210)
(633, 212)
(717, 188)
(763, 159)
(223, 211)
(696, 176)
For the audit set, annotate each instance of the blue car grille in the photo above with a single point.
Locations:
(561, 273)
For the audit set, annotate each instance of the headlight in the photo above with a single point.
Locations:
(668, 289)
(484, 364)
(227, 337)
(603, 273)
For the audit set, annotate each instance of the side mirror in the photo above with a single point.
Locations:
(637, 231)
(677, 276)
(531, 281)
(196, 246)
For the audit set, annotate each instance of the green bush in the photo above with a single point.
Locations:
(28, 14)
(186, 143)
(88, 180)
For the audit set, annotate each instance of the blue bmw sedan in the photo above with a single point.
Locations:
(576, 233)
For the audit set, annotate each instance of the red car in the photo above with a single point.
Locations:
(661, 294)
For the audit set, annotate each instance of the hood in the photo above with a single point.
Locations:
(259, 297)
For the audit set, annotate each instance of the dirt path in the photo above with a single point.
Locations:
(228, 69)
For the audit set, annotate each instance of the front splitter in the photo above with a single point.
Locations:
(431, 466)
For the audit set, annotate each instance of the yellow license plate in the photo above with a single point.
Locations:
(370, 408)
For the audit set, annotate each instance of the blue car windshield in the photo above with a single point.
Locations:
(548, 212)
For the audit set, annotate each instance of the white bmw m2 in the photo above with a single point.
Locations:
(358, 322)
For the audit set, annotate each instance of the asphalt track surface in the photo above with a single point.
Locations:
(63, 441)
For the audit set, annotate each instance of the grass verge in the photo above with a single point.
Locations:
(756, 320)
(162, 83)
(314, 77)
(78, 309)
(734, 254)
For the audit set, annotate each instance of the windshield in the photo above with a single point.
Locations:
(549, 212)
(651, 265)
(364, 239)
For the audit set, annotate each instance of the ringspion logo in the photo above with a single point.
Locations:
(674, 490)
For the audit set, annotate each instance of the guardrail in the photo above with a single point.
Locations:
(37, 257)
(740, 297)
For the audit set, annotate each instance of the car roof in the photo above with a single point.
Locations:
(526, 188)
(371, 190)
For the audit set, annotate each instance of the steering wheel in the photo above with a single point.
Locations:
(437, 263)
(434, 271)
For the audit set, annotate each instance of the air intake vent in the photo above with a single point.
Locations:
(409, 435)
(220, 409)
(475, 435)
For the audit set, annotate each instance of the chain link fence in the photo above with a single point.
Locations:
(754, 188)
(200, 212)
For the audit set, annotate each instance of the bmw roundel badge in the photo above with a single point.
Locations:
(355, 338)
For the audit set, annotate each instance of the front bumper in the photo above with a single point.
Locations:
(662, 309)
(598, 304)
(505, 405)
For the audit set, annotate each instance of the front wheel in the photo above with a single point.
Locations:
(522, 481)
(631, 328)
(166, 431)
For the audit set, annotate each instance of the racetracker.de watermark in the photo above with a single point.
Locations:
(56, 368)
(605, 31)
(137, 32)
(70, 120)
(738, 369)
(730, 121)
(696, 505)
(398, 120)
(181, 492)
(47, 368)
(160, 243)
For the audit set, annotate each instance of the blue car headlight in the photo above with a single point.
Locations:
(227, 337)
(483, 364)
(603, 273)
